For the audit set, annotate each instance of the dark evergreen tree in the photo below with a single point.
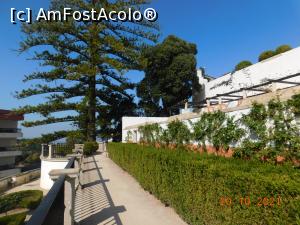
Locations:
(170, 74)
(85, 62)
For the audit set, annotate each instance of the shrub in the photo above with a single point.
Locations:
(29, 199)
(33, 157)
(242, 65)
(90, 147)
(216, 128)
(282, 49)
(150, 133)
(194, 185)
(16, 219)
(279, 139)
(128, 136)
(178, 133)
(265, 55)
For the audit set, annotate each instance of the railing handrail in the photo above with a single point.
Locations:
(43, 209)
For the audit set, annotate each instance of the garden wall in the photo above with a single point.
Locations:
(21, 178)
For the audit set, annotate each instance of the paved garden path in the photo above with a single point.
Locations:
(112, 196)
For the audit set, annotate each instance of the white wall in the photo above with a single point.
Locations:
(131, 121)
(273, 68)
(164, 123)
(46, 166)
(278, 66)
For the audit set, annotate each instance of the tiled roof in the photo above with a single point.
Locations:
(10, 115)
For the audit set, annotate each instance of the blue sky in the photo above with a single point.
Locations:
(225, 31)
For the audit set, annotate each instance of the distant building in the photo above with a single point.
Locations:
(244, 83)
(9, 133)
(232, 93)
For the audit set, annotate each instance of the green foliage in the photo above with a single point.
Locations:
(178, 133)
(16, 219)
(128, 136)
(294, 103)
(170, 69)
(282, 49)
(279, 138)
(32, 158)
(227, 134)
(150, 133)
(216, 128)
(193, 185)
(23, 199)
(75, 137)
(84, 63)
(265, 55)
(90, 147)
(268, 54)
(242, 65)
(266, 133)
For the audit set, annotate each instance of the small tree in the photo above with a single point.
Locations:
(265, 55)
(179, 133)
(256, 137)
(271, 131)
(242, 65)
(150, 133)
(201, 129)
(227, 134)
(282, 49)
(129, 136)
(218, 129)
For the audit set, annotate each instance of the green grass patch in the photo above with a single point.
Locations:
(16, 219)
(200, 186)
(23, 199)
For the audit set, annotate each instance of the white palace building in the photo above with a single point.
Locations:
(234, 93)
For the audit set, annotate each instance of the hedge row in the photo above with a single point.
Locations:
(16, 219)
(29, 199)
(199, 187)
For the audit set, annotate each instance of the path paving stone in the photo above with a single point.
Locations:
(111, 196)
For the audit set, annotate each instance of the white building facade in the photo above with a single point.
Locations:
(235, 92)
(9, 133)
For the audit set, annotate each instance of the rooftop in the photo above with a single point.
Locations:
(10, 115)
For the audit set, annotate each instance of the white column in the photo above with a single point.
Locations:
(50, 152)
(42, 151)
(244, 94)
(186, 105)
(220, 100)
(274, 87)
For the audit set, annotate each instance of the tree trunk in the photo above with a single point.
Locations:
(91, 127)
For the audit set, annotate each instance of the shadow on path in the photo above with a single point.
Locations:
(93, 203)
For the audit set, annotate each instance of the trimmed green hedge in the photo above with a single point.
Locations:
(23, 199)
(90, 147)
(16, 219)
(195, 185)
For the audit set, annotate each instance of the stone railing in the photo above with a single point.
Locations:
(58, 205)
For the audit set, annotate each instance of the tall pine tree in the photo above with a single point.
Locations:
(85, 62)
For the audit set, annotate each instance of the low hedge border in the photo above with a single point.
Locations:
(195, 185)
(29, 199)
(16, 219)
